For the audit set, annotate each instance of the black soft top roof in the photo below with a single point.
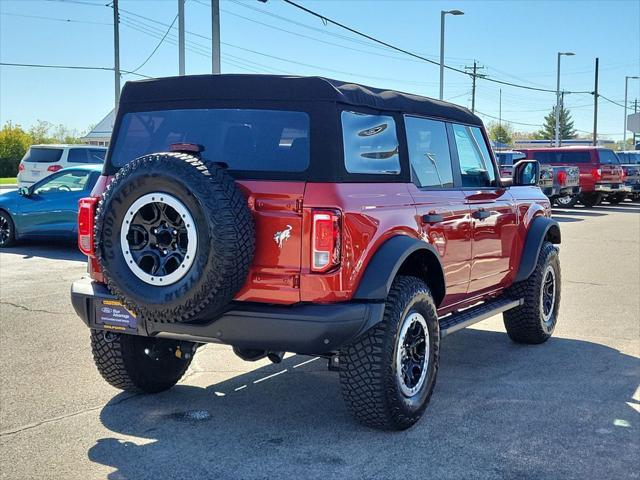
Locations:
(288, 88)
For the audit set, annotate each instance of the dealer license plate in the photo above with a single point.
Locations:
(112, 315)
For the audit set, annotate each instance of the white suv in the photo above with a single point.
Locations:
(40, 161)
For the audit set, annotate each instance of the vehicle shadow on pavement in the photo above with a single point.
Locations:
(583, 212)
(500, 410)
(562, 218)
(52, 249)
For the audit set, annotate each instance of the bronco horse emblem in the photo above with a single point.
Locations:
(282, 236)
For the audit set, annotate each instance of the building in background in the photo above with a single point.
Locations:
(101, 133)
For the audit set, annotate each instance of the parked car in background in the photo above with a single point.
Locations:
(40, 161)
(561, 184)
(506, 159)
(631, 165)
(47, 209)
(601, 175)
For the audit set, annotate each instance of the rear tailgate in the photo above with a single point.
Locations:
(36, 162)
(611, 174)
(274, 275)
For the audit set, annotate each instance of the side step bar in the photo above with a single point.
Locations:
(457, 321)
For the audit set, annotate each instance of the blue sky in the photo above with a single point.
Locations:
(516, 41)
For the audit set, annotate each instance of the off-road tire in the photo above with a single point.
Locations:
(590, 200)
(570, 203)
(225, 237)
(525, 324)
(123, 363)
(368, 379)
(10, 241)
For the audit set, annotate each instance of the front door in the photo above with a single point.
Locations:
(492, 210)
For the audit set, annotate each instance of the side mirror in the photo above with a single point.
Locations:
(24, 191)
(526, 173)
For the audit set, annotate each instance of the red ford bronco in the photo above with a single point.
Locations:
(289, 214)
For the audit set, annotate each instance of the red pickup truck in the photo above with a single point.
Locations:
(601, 175)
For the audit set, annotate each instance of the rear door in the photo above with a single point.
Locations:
(491, 207)
(442, 211)
(36, 162)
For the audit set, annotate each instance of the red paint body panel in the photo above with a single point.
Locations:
(480, 256)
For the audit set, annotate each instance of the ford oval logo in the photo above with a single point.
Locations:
(107, 310)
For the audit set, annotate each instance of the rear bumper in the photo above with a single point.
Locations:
(612, 188)
(302, 328)
(633, 187)
(563, 191)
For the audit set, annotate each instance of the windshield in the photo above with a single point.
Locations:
(42, 155)
(263, 140)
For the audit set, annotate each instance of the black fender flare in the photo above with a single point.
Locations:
(541, 228)
(379, 274)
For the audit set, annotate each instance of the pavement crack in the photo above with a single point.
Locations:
(33, 310)
(29, 426)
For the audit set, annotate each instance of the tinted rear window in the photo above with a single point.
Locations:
(562, 157)
(260, 140)
(42, 155)
(608, 157)
(86, 155)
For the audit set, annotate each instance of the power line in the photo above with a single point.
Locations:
(69, 67)
(66, 20)
(157, 46)
(615, 103)
(509, 121)
(406, 52)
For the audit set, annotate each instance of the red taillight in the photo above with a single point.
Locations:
(86, 216)
(54, 168)
(21, 167)
(597, 174)
(325, 247)
(562, 178)
(622, 174)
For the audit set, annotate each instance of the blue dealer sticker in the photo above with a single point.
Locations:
(112, 315)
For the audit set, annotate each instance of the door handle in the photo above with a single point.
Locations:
(432, 218)
(481, 214)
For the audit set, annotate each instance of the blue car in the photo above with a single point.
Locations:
(48, 208)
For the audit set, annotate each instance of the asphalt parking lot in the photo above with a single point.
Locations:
(567, 409)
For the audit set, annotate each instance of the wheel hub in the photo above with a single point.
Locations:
(412, 354)
(548, 295)
(158, 239)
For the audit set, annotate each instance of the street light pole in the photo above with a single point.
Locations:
(557, 136)
(442, 14)
(181, 37)
(116, 50)
(626, 90)
(215, 37)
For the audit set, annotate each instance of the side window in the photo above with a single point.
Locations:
(73, 181)
(95, 155)
(370, 144)
(475, 161)
(429, 152)
(77, 155)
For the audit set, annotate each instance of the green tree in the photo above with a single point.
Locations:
(14, 142)
(548, 131)
(502, 133)
(39, 132)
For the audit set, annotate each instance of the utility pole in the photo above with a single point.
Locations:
(635, 110)
(116, 51)
(215, 37)
(475, 74)
(500, 109)
(180, 37)
(595, 106)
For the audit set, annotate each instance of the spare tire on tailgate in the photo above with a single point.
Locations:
(174, 237)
